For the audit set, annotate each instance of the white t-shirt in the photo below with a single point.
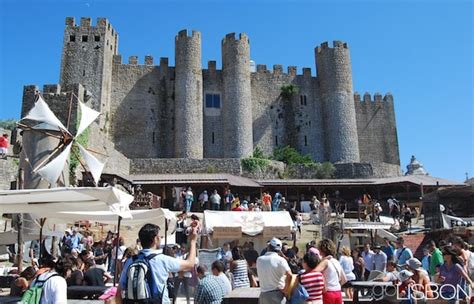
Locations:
(54, 290)
(332, 275)
(271, 269)
(347, 265)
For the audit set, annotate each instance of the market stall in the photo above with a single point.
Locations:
(257, 227)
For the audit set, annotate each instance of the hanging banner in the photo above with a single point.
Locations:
(276, 231)
(453, 221)
(227, 232)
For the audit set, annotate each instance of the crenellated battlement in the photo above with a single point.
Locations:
(86, 22)
(230, 38)
(335, 45)
(133, 60)
(377, 98)
(185, 34)
(164, 62)
(51, 88)
(278, 70)
(211, 65)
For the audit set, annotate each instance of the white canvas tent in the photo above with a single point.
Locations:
(258, 227)
(46, 203)
(139, 218)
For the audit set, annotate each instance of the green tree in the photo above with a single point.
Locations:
(288, 91)
(8, 124)
(290, 156)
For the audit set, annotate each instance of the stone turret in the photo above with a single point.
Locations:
(87, 56)
(188, 96)
(237, 105)
(335, 81)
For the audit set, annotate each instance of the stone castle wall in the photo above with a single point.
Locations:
(159, 111)
(185, 165)
(376, 128)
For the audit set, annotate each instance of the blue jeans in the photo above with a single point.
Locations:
(188, 203)
(276, 205)
(215, 206)
(227, 206)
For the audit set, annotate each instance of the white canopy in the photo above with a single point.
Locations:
(140, 217)
(252, 223)
(53, 202)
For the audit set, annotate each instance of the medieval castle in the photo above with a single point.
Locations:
(161, 112)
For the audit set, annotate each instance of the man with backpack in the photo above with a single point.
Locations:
(144, 276)
(49, 287)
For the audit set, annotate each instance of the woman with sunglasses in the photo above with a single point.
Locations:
(452, 276)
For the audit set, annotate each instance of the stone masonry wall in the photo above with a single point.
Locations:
(135, 109)
(138, 103)
(213, 135)
(188, 140)
(335, 81)
(237, 102)
(87, 59)
(376, 128)
(185, 165)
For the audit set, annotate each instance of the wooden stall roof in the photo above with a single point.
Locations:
(193, 178)
(411, 179)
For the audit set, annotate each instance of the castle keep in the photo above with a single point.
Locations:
(156, 111)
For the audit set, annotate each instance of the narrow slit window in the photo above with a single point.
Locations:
(276, 140)
(212, 139)
(83, 72)
(153, 137)
(305, 141)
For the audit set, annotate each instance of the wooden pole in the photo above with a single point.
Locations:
(42, 221)
(166, 234)
(19, 223)
(116, 249)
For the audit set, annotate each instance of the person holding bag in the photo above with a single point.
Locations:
(334, 276)
(311, 280)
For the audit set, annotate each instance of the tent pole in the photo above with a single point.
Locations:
(117, 248)
(166, 234)
(42, 221)
(19, 223)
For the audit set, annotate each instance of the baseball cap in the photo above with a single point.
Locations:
(404, 275)
(275, 243)
(414, 263)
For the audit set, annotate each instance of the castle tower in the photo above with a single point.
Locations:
(237, 105)
(335, 81)
(87, 59)
(188, 96)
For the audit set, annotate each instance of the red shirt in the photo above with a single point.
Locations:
(313, 282)
(4, 142)
(237, 209)
(267, 199)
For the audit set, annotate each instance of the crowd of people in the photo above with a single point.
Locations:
(230, 201)
(325, 271)
(83, 262)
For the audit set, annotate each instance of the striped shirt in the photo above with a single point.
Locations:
(313, 282)
(240, 272)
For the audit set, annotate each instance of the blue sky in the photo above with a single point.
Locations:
(421, 51)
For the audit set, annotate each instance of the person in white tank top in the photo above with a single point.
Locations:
(347, 265)
(333, 273)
